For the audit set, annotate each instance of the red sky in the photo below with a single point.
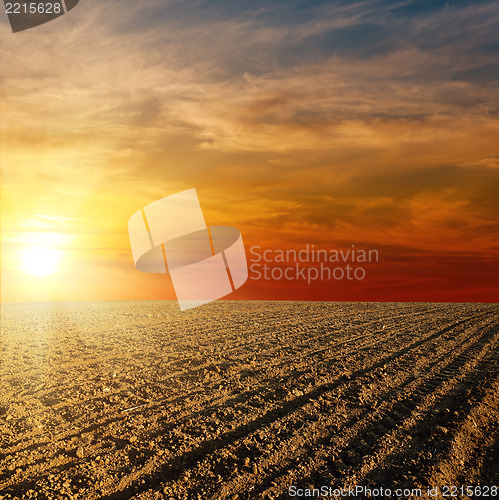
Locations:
(332, 125)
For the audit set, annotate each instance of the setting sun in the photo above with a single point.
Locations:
(40, 261)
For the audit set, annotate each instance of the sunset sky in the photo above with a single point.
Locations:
(326, 123)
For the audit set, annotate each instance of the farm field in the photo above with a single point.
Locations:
(243, 399)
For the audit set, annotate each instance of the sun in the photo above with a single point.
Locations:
(40, 261)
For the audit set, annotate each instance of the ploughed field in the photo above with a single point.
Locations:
(244, 399)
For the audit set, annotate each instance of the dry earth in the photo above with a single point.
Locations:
(241, 400)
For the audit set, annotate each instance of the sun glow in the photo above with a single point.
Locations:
(40, 261)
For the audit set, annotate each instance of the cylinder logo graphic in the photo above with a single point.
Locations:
(171, 236)
(26, 14)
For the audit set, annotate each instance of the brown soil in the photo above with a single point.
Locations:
(240, 400)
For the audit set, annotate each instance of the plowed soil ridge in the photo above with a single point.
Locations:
(245, 399)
